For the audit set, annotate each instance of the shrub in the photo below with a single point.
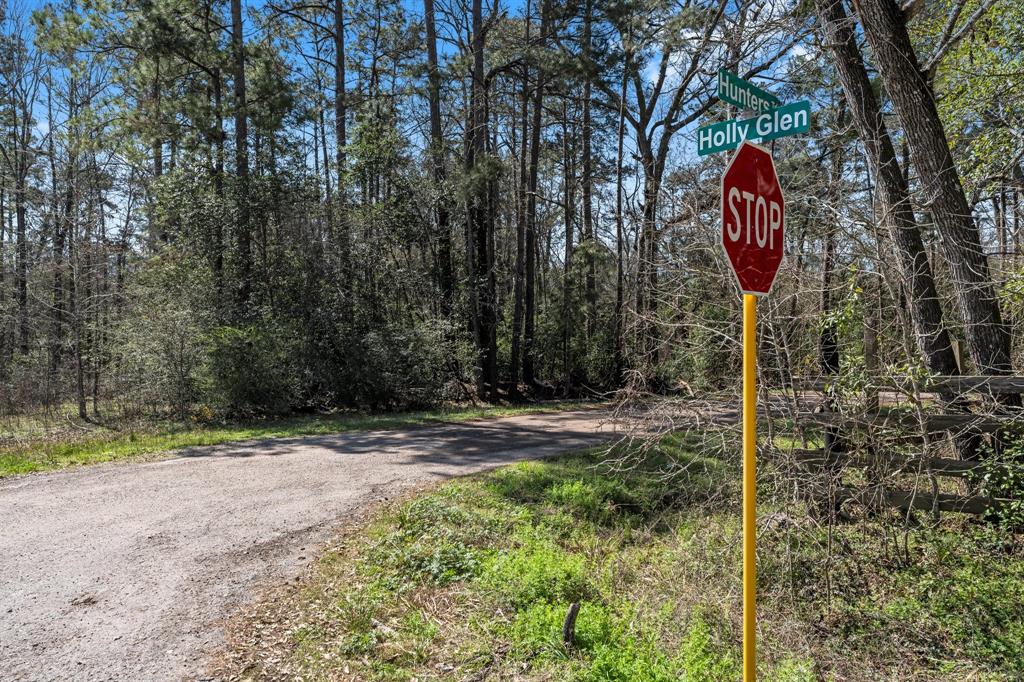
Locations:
(254, 369)
(395, 367)
(158, 350)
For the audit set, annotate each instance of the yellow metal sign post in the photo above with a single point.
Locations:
(753, 243)
(749, 487)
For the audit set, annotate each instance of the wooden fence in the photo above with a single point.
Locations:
(892, 450)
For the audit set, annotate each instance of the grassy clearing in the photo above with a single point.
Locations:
(473, 581)
(99, 444)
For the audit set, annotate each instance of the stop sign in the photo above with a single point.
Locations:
(753, 218)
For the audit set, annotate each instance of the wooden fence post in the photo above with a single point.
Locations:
(871, 360)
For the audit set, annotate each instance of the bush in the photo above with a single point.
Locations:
(180, 343)
(158, 351)
(254, 369)
(394, 367)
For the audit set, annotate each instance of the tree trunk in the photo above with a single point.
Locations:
(3, 276)
(21, 251)
(586, 181)
(479, 222)
(218, 182)
(893, 195)
(1016, 223)
(999, 218)
(339, 87)
(3, 259)
(885, 29)
(647, 268)
(620, 275)
(243, 235)
(158, 146)
(569, 199)
(87, 300)
(529, 372)
(446, 270)
(521, 256)
(328, 199)
(829, 338)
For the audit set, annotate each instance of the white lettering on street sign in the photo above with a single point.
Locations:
(790, 119)
(740, 93)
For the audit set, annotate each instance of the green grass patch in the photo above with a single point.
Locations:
(94, 444)
(473, 581)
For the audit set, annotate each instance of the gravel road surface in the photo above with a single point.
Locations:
(128, 571)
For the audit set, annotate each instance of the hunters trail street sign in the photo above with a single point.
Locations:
(740, 93)
(789, 119)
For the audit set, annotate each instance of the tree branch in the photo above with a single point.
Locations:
(948, 42)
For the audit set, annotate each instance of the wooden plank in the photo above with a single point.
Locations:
(905, 500)
(967, 383)
(976, 383)
(940, 466)
(973, 422)
(934, 423)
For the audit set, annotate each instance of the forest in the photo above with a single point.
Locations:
(217, 209)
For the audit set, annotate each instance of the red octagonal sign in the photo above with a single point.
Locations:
(753, 218)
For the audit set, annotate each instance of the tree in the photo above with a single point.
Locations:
(243, 233)
(446, 273)
(516, 350)
(658, 107)
(941, 190)
(20, 79)
(530, 305)
(479, 171)
(893, 194)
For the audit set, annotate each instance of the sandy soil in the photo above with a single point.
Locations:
(128, 572)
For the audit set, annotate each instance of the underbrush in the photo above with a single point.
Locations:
(474, 579)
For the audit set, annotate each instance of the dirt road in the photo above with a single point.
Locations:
(125, 572)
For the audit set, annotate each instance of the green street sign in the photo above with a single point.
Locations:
(790, 119)
(740, 93)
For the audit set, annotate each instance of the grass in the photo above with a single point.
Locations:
(473, 580)
(99, 444)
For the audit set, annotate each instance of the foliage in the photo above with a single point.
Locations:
(159, 343)
(331, 273)
(254, 368)
(1001, 476)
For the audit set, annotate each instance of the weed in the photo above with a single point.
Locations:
(703, 657)
(538, 572)
(431, 541)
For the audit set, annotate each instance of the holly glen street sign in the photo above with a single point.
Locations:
(740, 93)
(753, 219)
(789, 119)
